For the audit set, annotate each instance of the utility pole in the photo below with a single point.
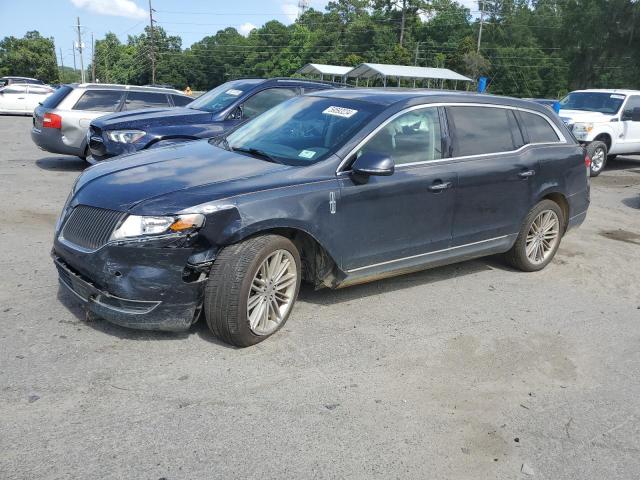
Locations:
(152, 52)
(415, 62)
(481, 2)
(82, 79)
(404, 8)
(93, 59)
(61, 59)
(75, 70)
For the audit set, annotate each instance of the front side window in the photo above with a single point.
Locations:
(302, 130)
(538, 128)
(633, 102)
(222, 96)
(412, 137)
(138, 100)
(15, 90)
(481, 130)
(608, 103)
(99, 100)
(266, 99)
(180, 101)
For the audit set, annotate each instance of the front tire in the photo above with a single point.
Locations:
(597, 151)
(252, 288)
(539, 238)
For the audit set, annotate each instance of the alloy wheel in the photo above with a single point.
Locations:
(542, 237)
(272, 292)
(597, 160)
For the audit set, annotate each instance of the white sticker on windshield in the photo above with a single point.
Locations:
(307, 154)
(340, 112)
(233, 92)
(619, 97)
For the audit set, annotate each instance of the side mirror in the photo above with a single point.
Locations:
(237, 113)
(372, 163)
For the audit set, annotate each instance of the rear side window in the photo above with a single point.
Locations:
(180, 101)
(538, 128)
(266, 99)
(137, 100)
(53, 100)
(481, 130)
(99, 100)
(39, 90)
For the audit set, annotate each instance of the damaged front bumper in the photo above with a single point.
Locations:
(148, 287)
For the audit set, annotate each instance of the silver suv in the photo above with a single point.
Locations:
(61, 122)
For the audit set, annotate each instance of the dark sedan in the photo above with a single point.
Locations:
(212, 114)
(333, 188)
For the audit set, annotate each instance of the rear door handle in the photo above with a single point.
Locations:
(527, 173)
(440, 186)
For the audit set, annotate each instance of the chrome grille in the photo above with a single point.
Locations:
(90, 227)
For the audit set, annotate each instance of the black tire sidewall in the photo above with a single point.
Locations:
(245, 333)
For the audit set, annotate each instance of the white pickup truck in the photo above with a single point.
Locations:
(606, 121)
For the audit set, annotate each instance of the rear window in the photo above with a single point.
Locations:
(53, 100)
(137, 100)
(538, 128)
(180, 101)
(481, 130)
(99, 100)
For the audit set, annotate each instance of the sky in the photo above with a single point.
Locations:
(190, 19)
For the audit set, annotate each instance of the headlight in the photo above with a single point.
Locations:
(583, 127)
(138, 226)
(125, 136)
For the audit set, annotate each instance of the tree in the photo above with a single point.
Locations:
(29, 56)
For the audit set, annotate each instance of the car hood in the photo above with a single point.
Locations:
(146, 118)
(573, 116)
(182, 170)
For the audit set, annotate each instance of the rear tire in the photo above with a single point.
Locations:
(243, 303)
(538, 239)
(597, 151)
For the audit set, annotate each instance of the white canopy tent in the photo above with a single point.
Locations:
(322, 70)
(369, 71)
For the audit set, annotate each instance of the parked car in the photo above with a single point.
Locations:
(334, 188)
(10, 80)
(60, 124)
(606, 121)
(213, 113)
(22, 98)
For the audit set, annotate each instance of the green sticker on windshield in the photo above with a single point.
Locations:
(307, 154)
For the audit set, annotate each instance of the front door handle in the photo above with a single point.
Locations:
(440, 186)
(527, 173)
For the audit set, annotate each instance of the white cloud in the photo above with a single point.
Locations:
(290, 9)
(246, 28)
(116, 8)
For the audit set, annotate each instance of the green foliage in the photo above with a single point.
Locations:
(29, 56)
(530, 48)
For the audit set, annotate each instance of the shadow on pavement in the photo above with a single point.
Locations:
(62, 164)
(623, 163)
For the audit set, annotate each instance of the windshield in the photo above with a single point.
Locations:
(608, 103)
(221, 97)
(303, 130)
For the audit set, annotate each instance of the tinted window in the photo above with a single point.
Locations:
(15, 89)
(266, 99)
(412, 137)
(223, 95)
(480, 130)
(53, 100)
(99, 100)
(634, 102)
(304, 130)
(137, 100)
(180, 101)
(538, 128)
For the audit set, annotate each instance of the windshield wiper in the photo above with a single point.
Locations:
(255, 152)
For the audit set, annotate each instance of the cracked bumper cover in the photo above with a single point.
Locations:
(140, 287)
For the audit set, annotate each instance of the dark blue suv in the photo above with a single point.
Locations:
(333, 188)
(212, 114)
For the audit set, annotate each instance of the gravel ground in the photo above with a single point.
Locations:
(468, 371)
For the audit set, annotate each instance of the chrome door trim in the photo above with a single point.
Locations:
(426, 254)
